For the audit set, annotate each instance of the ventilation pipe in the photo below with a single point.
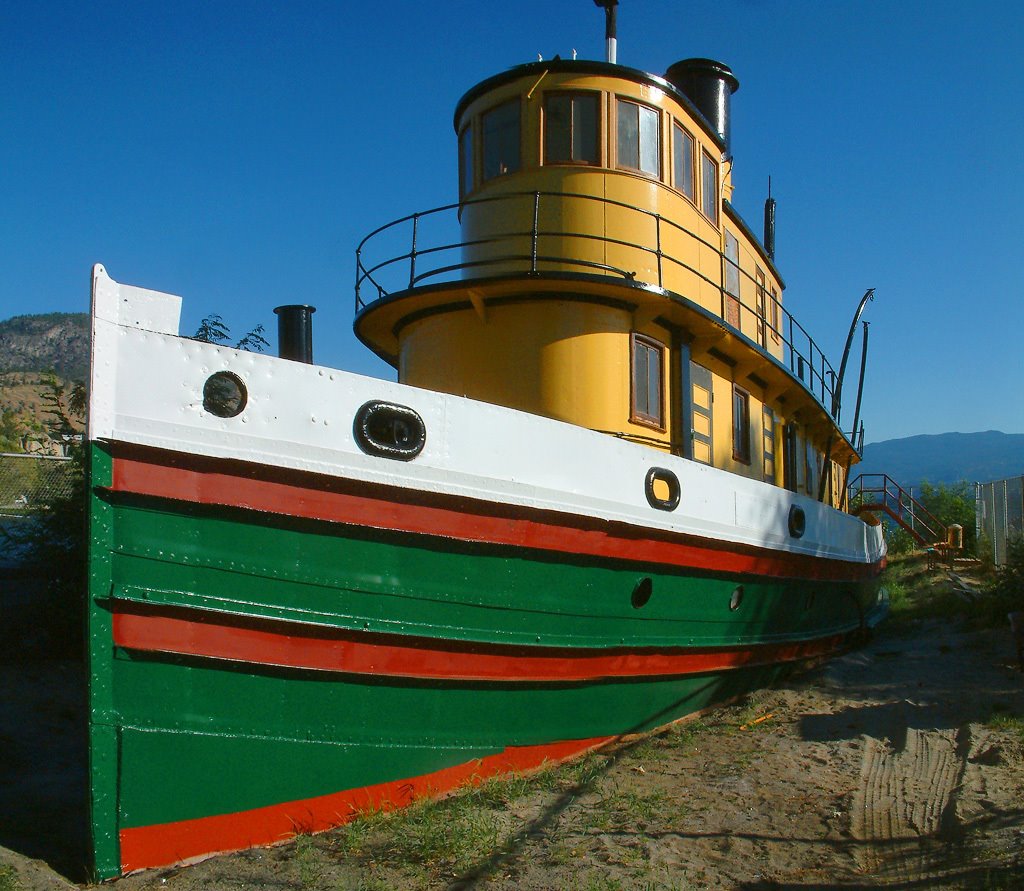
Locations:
(295, 332)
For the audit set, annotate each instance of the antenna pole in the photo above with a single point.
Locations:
(610, 39)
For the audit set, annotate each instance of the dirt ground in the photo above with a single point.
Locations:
(899, 764)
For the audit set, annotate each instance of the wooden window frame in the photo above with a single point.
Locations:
(776, 326)
(572, 95)
(714, 218)
(636, 416)
(691, 196)
(741, 455)
(481, 154)
(761, 306)
(619, 164)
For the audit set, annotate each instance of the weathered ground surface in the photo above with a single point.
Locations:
(900, 764)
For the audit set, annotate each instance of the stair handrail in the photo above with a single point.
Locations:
(906, 505)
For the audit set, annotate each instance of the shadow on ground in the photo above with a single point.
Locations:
(43, 766)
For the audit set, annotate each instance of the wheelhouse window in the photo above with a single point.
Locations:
(683, 147)
(571, 128)
(709, 187)
(500, 140)
(466, 161)
(776, 321)
(740, 425)
(638, 138)
(647, 372)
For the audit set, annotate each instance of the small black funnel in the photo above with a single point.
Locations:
(295, 332)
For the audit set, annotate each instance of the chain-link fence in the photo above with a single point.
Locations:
(999, 511)
(30, 483)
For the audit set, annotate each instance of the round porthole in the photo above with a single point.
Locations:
(387, 430)
(662, 489)
(642, 593)
(797, 521)
(224, 395)
(736, 599)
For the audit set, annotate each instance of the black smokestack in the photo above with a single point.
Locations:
(709, 85)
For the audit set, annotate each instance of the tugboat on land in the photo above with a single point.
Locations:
(607, 490)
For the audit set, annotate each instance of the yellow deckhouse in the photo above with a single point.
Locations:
(595, 271)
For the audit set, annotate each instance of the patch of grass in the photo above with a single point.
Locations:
(626, 809)
(596, 881)
(9, 878)
(455, 832)
(311, 863)
(917, 592)
(1003, 720)
(580, 773)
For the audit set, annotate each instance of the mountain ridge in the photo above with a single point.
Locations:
(55, 341)
(946, 457)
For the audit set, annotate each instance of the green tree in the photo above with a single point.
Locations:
(952, 503)
(54, 542)
(213, 329)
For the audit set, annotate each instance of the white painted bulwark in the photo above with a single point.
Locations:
(148, 390)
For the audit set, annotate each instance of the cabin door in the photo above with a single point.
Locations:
(700, 414)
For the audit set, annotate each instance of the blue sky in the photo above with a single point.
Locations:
(236, 152)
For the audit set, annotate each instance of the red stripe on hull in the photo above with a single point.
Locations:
(143, 847)
(308, 647)
(460, 518)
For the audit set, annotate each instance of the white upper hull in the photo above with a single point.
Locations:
(147, 389)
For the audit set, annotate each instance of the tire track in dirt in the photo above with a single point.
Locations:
(905, 809)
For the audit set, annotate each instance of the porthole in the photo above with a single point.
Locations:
(224, 395)
(797, 521)
(641, 593)
(662, 489)
(387, 430)
(809, 602)
(736, 599)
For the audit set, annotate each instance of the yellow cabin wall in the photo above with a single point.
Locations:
(686, 234)
(563, 359)
(560, 356)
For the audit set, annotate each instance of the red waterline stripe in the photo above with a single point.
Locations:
(592, 538)
(291, 645)
(143, 847)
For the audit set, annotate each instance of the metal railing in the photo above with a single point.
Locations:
(880, 492)
(408, 260)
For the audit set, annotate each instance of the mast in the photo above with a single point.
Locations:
(609, 28)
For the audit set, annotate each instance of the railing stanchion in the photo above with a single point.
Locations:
(657, 231)
(536, 222)
(359, 265)
(412, 253)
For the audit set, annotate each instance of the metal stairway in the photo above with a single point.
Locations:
(879, 492)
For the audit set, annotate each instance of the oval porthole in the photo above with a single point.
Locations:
(736, 599)
(224, 395)
(387, 430)
(809, 602)
(797, 521)
(641, 593)
(662, 489)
